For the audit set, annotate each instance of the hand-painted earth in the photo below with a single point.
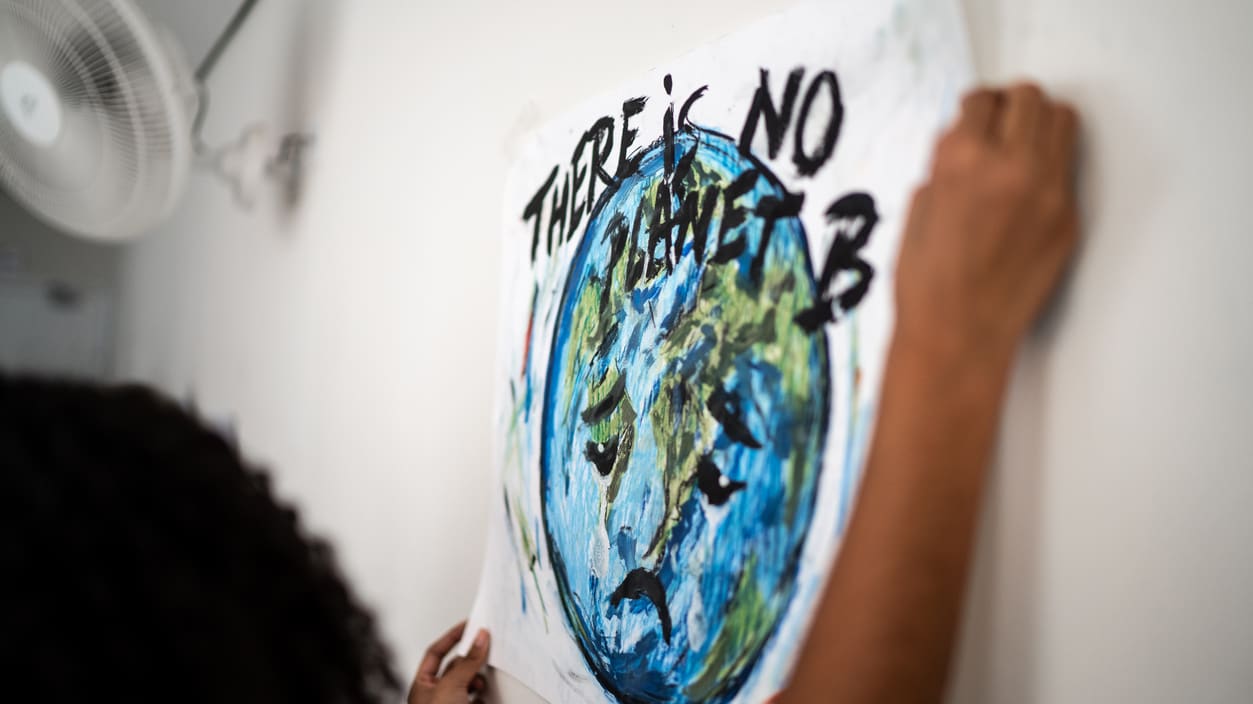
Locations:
(683, 428)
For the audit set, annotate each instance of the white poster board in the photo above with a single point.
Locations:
(697, 302)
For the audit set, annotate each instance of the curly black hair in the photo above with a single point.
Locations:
(144, 560)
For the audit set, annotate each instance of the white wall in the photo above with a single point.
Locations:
(352, 337)
(57, 298)
(1114, 558)
(29, 249)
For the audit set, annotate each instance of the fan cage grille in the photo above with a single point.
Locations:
(121, 158)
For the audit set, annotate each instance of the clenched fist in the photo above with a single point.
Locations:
(992, 228)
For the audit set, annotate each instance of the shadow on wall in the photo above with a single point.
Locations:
(309, 56)
(265, 152)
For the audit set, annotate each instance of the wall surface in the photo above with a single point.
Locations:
(1113, 564)
(31, 250)
(197, 25)
(57, 299)
(349, 336)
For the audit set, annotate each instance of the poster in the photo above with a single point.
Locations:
(697, 300)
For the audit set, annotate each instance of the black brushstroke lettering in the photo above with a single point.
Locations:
(733, 215)
(697, 94)
(687, 201)
(535, 208)
(703, 219)
(850, 297)
(771, 209)
(683, 221)
(808, 164)
(710, 481)
(814, 317)
(683, 168)
(777, 120)
(635, 261)
(602, 129)
(557, 214)
(855, 210)
(659, 233)
(577, 174)
(630, 109)
(667, 132)
(618, 234)
(640, 583)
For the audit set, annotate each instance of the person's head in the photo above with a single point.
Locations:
(144, 559)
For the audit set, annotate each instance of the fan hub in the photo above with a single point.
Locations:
(30, 103)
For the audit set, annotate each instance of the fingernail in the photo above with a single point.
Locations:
(480, 641)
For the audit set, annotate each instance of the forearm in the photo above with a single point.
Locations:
(988, 235)
(885, 629)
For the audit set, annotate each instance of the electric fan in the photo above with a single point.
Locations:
(97, 106)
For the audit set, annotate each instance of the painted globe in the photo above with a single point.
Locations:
(684, 422)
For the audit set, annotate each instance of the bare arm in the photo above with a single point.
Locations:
(988, 235)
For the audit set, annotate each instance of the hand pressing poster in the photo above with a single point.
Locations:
(697, 301)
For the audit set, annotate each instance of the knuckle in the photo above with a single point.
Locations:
(957, 150)
(1027, 89)
(975, 95)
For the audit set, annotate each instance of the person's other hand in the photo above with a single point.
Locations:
(460, 680)
(992, 228)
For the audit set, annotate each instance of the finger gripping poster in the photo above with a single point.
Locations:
(696, 305)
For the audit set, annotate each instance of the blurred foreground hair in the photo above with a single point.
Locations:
(145, 561)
